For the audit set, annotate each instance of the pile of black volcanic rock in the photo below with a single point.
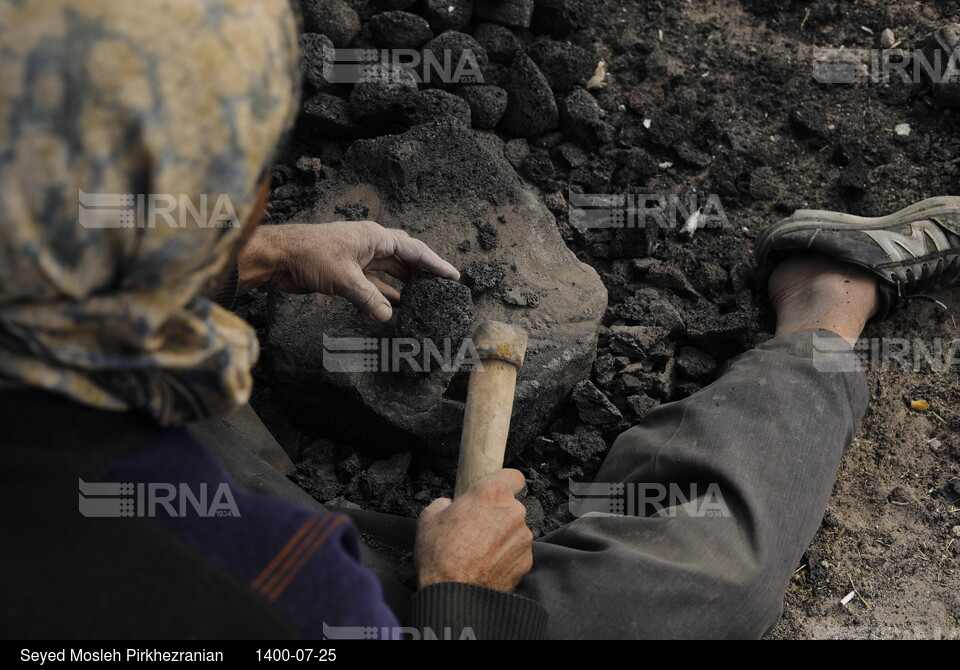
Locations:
(525, 76)
(376, 66)
(522, 72)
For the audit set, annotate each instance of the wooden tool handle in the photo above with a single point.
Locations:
(486, 422)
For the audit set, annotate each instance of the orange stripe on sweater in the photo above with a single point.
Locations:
(287, 548)
(291, 574)
(294, 557)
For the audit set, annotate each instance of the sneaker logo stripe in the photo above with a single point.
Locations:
(904, 247)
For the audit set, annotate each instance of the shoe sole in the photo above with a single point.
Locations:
(806, 218)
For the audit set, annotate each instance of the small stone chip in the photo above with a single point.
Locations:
(520, 297)
(481, 277)
(487, 236)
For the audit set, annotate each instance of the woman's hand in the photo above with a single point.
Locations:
(337, 259)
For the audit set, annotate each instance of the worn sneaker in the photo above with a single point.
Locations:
(913, 253)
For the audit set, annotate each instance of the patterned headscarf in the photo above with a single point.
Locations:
(119, 121)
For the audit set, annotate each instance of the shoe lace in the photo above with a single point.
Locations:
(921, 280)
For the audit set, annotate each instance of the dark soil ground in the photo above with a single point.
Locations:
(732, 80)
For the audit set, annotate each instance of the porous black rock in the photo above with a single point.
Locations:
(319, 479)
(436, 309)
(330, 116)
(531, 107)
(482, 277)
(585, 443)
(383, 95)
(316, 49)
(640, 404)
(723, 335)
(638, 163)
(691, 155)
(487, 104)
(711, 278)
(574, 154)
(487, 235)
(565, 65)
(495, 74)
(333, 18)
(635, 342)
(539, 169)
(350, 466)
(581, 117)
(447, 14)
(695, 363)
(593, 176)
(646, 307)
(634, 241)
(593, 407)
(666, 275)
(456, 52)
(400, 30)
(516, 151)
(498, 41)
(438, 105)
(606, 367)
(513, 13)
(384, 475)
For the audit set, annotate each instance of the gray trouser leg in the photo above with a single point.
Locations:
(769, 434)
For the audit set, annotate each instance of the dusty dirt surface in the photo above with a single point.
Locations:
(728, 90)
